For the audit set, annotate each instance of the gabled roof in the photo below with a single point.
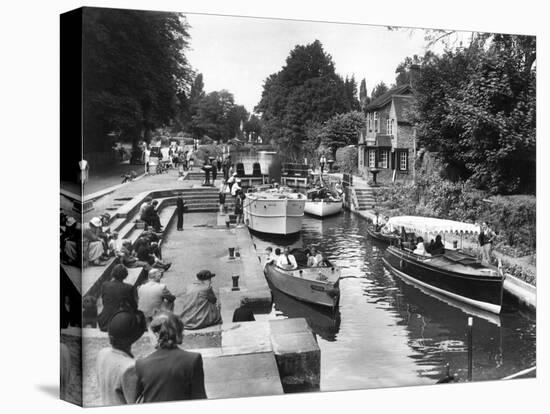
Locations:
(403, 108)
(386, 98)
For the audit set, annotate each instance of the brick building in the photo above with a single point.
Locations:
(387, 141)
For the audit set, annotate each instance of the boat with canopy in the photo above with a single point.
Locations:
(453, 272)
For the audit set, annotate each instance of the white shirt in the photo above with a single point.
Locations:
(236, 187)
(283, 262)
(147, 153)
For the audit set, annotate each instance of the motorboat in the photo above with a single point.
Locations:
(322, 203)
(453, 273)
(316, 285)
(274, 210)
(379, 235)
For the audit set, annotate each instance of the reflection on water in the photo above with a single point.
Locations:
(391, 333)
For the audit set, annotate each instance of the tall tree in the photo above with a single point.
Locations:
(379, 90)
(363, 95)
(477, 109)
(342, 130)
(307, 89)
(134, 67)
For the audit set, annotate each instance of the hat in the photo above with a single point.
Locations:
(70, 221)
(124, 325)
(96, 221)
(205, 275)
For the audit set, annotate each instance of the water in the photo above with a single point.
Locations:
(389, 333)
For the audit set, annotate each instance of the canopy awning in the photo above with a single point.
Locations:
(431, 225)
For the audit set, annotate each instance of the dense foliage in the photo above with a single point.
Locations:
(134, 67)
(217, 116)
(477, 109)
(305, 91)
(512, 217)
(346, 159)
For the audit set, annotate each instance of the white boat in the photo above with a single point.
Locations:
(274, 211)
(316, 285)
(323, 208)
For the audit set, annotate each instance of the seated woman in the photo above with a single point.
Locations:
(200, 307)
(116, 295)
(92, 247)
(438, 247)
(420, 248)
(169, 373)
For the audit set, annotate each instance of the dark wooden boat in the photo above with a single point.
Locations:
(453, 273)
(377, 235)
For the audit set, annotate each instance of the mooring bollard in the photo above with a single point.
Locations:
(235, 278)
(231, 252)
(470, 347)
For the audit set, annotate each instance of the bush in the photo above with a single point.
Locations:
(512, 217)
(205, 151)
(346, 159)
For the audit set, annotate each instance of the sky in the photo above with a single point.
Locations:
(239, 53)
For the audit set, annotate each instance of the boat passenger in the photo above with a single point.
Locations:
(315, 258)
(420, 248)
(438, 247)
(287, 261)
(271, 257)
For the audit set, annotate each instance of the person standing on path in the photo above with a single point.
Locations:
(322, 162)
(84, 170)
(180, 209)
(146, 156)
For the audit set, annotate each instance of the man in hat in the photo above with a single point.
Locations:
(154, 295)
(231, 181)
(115, 365)
(93, 243)
(200, 308)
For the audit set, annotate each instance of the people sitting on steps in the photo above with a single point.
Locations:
(116, 295)
(154, 295)
(70, 241)
(150, 216)
(148, 251)
(92, 246)
(200, 305)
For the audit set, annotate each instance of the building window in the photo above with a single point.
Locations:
(403, 158)
(372, 158)
(390, 126)
(376, 123)
(383, 158)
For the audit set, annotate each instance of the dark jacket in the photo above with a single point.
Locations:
(115, 294)
(170, 374)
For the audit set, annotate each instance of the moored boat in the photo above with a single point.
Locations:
(323, 208)
(453, 273)
(316, 285)
(274, 211)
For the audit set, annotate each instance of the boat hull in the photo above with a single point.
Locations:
(274, 216)
(323, 208)
(316, 292)
(484, 292)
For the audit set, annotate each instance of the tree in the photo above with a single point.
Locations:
(306, 90)
(342, 130)
(477, 109)
(253, 126)
(379, 90)
(363, 95)
(134, 68)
